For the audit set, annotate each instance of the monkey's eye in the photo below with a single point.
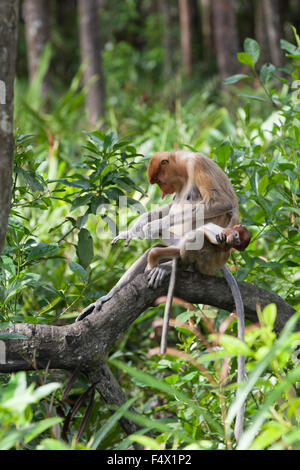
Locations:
(164, 162)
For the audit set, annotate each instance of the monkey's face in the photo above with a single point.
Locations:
(239, 237)
(164, 170)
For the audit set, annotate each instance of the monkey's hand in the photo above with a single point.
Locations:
(123, 236)
(94, 307)
(128, 235)
(221, 238)
(156, 276)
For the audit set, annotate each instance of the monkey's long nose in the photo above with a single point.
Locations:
(152, 172)
(152, 179)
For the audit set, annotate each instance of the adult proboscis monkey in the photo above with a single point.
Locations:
(203, 200)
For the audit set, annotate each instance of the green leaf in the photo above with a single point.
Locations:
(245, 58)
(252, 48)
(52, 444)
(266, 72)
(113, 193)
(43, 250)
(84, 184)
(102, 433)
(267, 437)
(40, 427)
(259, 368)
(85, 249)
(12, 438)
(288, 46)
(33, 180)
(269, 315)
(172, 379)
(296, 36)
(7, 264)
(252, 97)
(223, 154)
(262, 185)
(236, 78)
(146, 442)
(153, 382)
(257, 421)
(44, 390)
(81, 201)
(49, 306)
(79, 271)
(234, 346)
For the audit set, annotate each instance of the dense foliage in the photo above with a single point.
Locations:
(58, 258)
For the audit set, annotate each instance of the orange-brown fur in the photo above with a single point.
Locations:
(237, 237)
(182, 171)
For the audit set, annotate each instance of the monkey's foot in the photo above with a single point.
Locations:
(94, 307)
(156, 276)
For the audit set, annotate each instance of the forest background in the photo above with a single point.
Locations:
(99, 87)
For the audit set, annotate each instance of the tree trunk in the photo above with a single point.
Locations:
(273, 29)
(37, 31)
(225, 37)
(261, 33)
(85, 344)
(196, 31)
(89, 27)
(8, 43)
(185, 36)
(206, 17)
(165, 11)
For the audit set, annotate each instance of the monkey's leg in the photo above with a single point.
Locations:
(138, 267)
(158, 272)
(239, 306)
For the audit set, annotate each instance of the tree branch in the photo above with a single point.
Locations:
(87, 342)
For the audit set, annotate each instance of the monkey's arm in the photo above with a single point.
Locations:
(184, 218)
(136, 230)
(214, 233)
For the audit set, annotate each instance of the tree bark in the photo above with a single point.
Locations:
(167, 42)
(8, 45)
(206, 16)
(185, 36)
(225, 37)
(37, 31)
(86, 342)
(89, 29)
(261, 33)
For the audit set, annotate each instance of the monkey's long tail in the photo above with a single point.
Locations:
(164, 334)
(239, 306)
